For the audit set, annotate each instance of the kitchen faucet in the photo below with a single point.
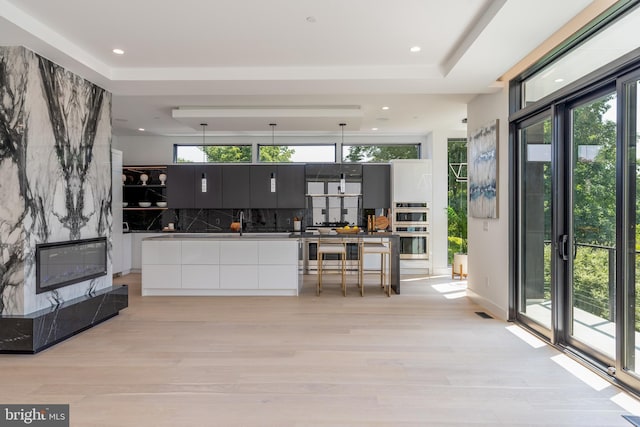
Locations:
(241, 221)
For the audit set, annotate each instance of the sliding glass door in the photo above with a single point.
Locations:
(578, 224)
(591, 244)
(535, 297)
(629, 298)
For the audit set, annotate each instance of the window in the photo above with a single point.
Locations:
(610, 44)
(212, 153)
(297, 153)
(379, 153)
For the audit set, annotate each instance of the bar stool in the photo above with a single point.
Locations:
(384, 250)
(330, 247)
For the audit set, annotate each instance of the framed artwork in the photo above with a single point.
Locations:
(482, 169)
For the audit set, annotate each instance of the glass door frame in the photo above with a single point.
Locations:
(626, 290)
(519, 126)
(566, 214)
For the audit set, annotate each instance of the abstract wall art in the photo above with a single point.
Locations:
(482, 171)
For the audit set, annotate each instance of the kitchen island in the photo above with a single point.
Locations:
(309, 239)
(220, 264)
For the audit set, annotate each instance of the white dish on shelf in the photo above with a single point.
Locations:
(144, 204)
(161, 204)
(125, 204)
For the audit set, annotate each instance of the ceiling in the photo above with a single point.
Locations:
(306, 65)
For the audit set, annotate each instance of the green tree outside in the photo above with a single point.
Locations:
(276, 153)
(457, 199)
(381, 153)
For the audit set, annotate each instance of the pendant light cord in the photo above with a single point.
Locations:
(204, 153)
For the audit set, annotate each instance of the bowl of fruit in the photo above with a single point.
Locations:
(348, 229)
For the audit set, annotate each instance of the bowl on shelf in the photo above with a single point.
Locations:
(144, 204)
(161, 204)
(324, 230)
(125, 204)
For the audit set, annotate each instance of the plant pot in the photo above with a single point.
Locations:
(459, 267)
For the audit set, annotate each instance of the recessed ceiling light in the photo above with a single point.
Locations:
(118, 51)
(141, 129)
(385, 108)
(374, 128)
(558, 80)
(415, 49)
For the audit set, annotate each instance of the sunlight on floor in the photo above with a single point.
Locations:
(452, 290)
(456, 295)
(525, 336)
(585, 375)
(415, 279)
(627, 403)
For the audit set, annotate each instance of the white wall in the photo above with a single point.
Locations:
(439, 227)
(488, 282)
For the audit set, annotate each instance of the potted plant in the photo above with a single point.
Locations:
(459, 265)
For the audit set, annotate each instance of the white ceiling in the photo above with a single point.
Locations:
(304, 64)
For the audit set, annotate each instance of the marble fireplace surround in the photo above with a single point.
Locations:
(55, 170)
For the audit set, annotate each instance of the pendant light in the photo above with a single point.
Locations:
(343, 183)
(273, 138)
(203, 180)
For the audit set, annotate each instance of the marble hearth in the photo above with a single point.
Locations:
(36, 331)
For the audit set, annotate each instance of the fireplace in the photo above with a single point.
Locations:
(65, 263)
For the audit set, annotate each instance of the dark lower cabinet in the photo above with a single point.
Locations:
(376, 186)
(236, 186)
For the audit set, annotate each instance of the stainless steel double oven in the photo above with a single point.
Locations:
(411, 223)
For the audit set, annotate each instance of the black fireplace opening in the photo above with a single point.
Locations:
(65, 263)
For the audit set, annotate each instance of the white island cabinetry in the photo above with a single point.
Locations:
(220, 265)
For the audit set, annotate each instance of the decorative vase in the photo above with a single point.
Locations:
(144, 178)
(163, 178)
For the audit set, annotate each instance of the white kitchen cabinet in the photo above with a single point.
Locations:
(200, 252)
(161, 253)
(210, 265)
(243, 252)
(411, 180)
(161, 276)
(200, 276)
(117, 243)
(276, 276)
(238, 277)
(126, 253)
(136, 249)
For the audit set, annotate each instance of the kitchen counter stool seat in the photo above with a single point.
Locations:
(331, 247)
(384, 250)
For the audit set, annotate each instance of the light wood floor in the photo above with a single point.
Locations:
(417, 359)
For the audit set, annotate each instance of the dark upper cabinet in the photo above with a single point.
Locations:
(290, 186)
(236, 186)
(261, 195)
(376, 186)
(212, 198)
(181, 186)
(184, 186)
